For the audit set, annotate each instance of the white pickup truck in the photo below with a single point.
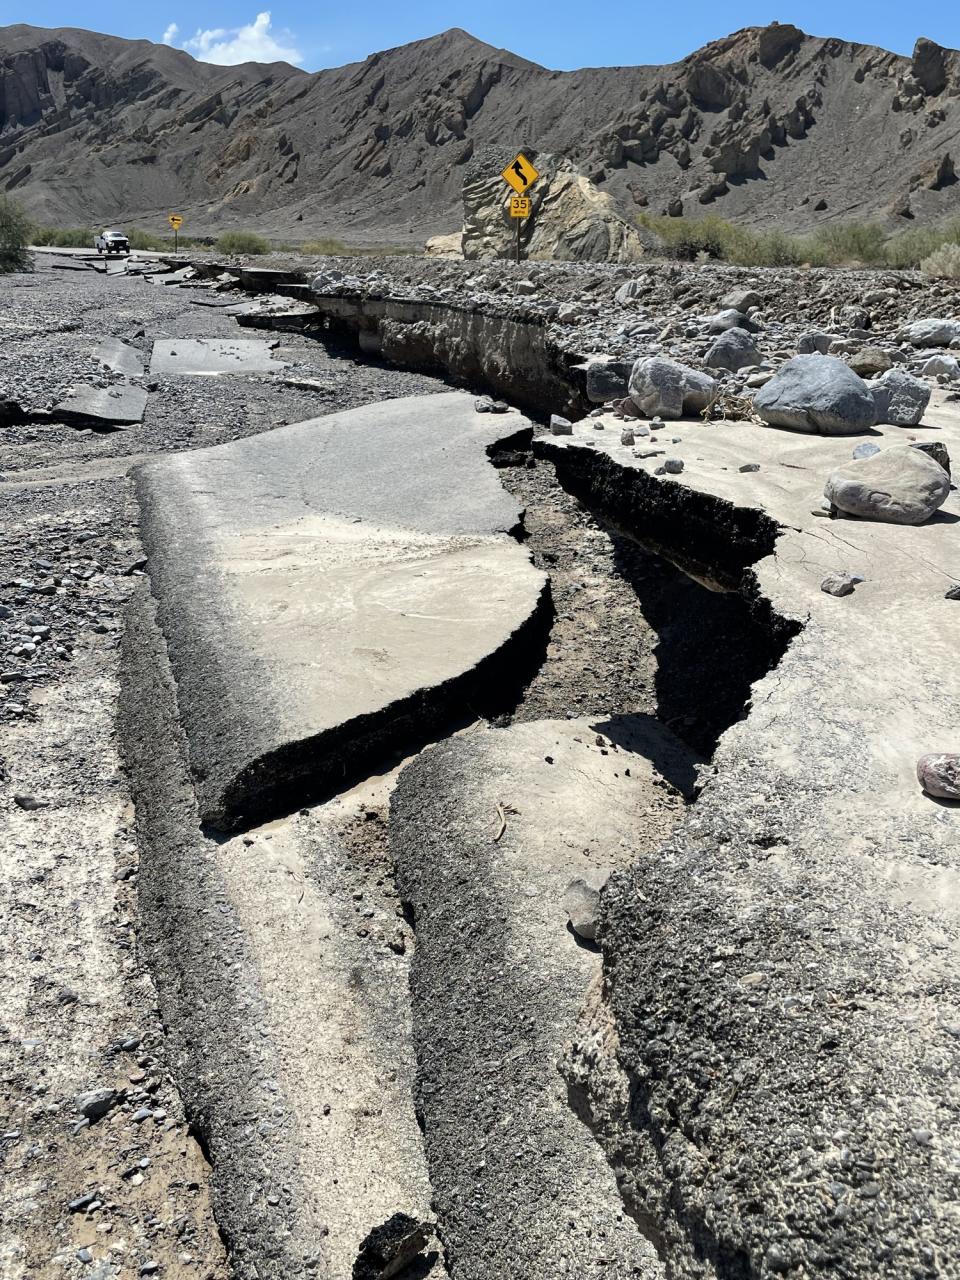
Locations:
(112, 240)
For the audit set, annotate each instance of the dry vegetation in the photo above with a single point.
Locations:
(846, 244)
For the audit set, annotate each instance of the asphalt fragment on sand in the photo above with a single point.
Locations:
(199, 356)
(334, 588)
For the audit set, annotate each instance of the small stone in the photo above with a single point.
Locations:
(627, 436)
(838, 584)
(581, 901)
(560, 426)
(84, 1255)
(952, 594)
(749, 466)
(81, 1202)
(149, 1268)
(95, 1103)
(29, 802)
(673, 466)
(866, 450)
(939, 775)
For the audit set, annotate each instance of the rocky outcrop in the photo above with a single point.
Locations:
(383, 145)
(572, 219)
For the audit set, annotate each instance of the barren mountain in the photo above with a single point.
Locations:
(766, 126)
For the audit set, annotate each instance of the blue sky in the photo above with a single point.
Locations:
(564, 34)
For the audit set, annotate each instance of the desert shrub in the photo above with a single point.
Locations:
(64, 237)
(327, 246)
(910, 248)
(246, 243)
(15, 229)
(943, 263)
(845, 243)
(140, 239)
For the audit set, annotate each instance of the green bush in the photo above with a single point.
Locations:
(247, 243)
(140, 239)
(15, 229)
(842, 245)
(65, 237)
(943, 263)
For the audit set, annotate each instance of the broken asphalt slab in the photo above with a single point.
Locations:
(332, 589)
(784, 973)
(487, 831)
(119, 357)
(307, 1099)
(212, 356)
(102, 408)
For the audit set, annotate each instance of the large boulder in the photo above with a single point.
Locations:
(732, 350)
(664, 387)
(572, 219)
(900, 399)
(819, 394)
(900, 485)
(931, 333)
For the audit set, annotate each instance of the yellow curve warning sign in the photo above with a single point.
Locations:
(520, 174)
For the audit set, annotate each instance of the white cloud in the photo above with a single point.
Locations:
(256, 42)
(171, 33)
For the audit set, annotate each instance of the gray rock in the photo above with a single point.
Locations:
(866, 450)
(733, 350)
(673, 466)
(838, 584)
(742, 300)
(560, 426)
(900, 399)
(814, 344)
(749, 466)
(900, 485)
(629, 292)
(581, 901)
(729, 319)
(664, 387)
(934, 449)
(939, 775)
(627, 436)
(930, 333)
(95, 1103)
(942, 367)
(817, 393)
(606, 380)
(870, 360)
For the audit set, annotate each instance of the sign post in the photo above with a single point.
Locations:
(176, 222)
(520, 175)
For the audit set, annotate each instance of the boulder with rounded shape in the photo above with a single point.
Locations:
(930, 333)
(901, 400)
(939, 774)
(819, 394)
(901, 485)
(732, 319)
(664, 387)
(732, 350)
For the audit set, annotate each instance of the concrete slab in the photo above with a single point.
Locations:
(332, 588)
(801, 932)
(487, 831)
(212, 356)
(107, 408)
(120, 357)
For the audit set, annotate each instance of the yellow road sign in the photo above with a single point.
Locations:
(175, 221)
(520, 206)
(520, 174)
